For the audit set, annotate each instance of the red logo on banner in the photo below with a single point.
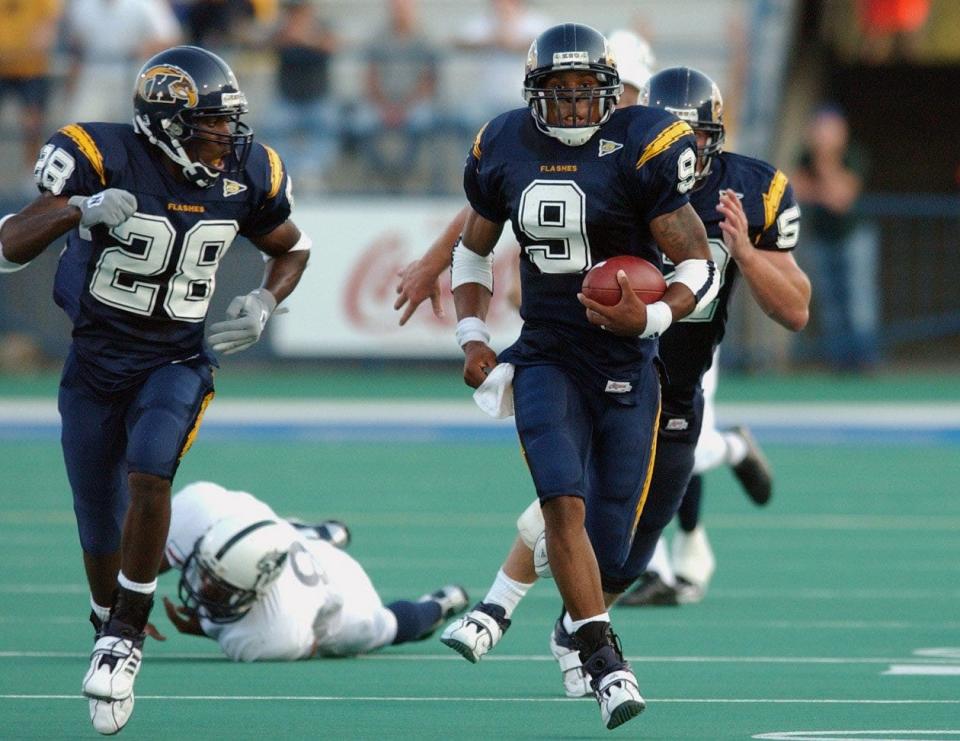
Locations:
(370, 289)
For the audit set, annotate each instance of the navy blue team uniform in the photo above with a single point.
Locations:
(139, 374)
(580, 391)
(687, 347)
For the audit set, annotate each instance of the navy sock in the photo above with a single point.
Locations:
(689, 513)
(415, 619)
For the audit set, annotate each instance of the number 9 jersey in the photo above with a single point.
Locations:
(138, 293)
(572, 207)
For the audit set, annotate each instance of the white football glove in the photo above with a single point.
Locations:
(246, 318)
(108, 207)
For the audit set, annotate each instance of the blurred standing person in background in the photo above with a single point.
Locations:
(501, 36)
(107, 40)
(842, 246)
(401, 94)
(28, 31)
(306, 119)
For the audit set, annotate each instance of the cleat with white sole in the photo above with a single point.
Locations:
(576, 683)
(114, 663)
(109, 717)
(476, 633)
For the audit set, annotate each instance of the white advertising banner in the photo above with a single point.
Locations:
(343, 306)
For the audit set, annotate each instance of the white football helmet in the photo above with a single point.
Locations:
(232, 565)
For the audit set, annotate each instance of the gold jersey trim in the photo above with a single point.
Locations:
(476, 142)
(772, 198)
(89, 147)
(276, 171)
(664, 140)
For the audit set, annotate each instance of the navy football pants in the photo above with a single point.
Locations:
(589, 444)
(144, 429)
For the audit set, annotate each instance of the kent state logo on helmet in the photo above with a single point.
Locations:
(166, 83)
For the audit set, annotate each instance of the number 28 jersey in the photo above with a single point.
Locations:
(138, 293)
(572, 207)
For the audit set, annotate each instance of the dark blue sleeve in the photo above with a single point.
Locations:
(277, 203)
(781, 216)
(664, 170)
(479, 183)
(72, 162)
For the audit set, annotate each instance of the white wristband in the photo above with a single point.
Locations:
(8, 266)
(659, 318)
(472, 329)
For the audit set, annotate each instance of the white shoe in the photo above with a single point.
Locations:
(576, 682)
(619, 697)
(477, 632)
(114, 664)
(693, 561)
(109, 717)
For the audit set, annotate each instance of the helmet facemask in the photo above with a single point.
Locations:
(547, 103)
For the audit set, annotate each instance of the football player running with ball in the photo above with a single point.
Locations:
(270, 589)
(753, 224)
(581, 182)
(150, 211)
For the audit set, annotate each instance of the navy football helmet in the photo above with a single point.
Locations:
(693, 97)
(570, 46)
(176, 90)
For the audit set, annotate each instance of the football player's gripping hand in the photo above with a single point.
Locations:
(627, 318)
(246, 318)
(418, 282)
(183, 618)
(109, 207)
(735, 228)
(479, 360)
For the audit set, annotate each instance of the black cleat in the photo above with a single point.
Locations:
(650, 591)
(753, 472)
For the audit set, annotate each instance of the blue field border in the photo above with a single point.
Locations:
(427, 433)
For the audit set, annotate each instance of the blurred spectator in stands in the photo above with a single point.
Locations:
(401, 96)
(891, 28)
(108, 39)
(28, 31)
(218, 23)
(305, 121)
(841, 246)
(502, 37)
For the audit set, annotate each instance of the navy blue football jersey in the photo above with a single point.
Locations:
(774, 224)
(572, 207)
(138, 294)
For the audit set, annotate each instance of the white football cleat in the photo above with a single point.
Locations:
(477, 632)
(693, 563)
(109, 717)
(619, 697)
(114, 664)
(576, 682)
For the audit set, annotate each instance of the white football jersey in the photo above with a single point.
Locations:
(322, 603)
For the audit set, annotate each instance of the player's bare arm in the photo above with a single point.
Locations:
(420, 279)
(777, 283)
(288, 253)
(30, 231)
(472, 289)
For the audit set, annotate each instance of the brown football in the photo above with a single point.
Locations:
(646, 280)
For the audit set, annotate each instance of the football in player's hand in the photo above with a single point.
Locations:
(646, 280)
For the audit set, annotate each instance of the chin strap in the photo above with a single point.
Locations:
(196, 172)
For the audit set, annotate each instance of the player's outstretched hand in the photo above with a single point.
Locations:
(151, 630)
(479, 360)
(735, 228)
(627, 318)
(246, 318)
(108, 207)
(418, 282)
(183, 618)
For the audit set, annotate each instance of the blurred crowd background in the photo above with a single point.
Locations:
(373, 103)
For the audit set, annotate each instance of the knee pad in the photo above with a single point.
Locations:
(530, 524)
